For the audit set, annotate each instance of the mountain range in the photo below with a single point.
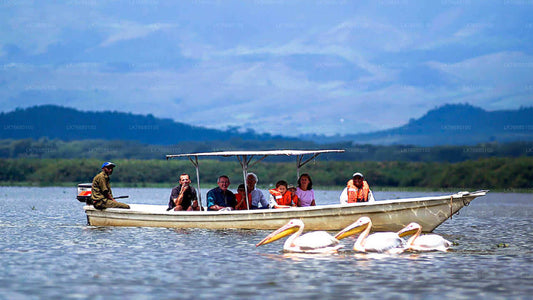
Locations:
(450, 124)
(68, 124)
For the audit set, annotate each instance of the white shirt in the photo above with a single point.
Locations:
(344, 196)
(258, 198)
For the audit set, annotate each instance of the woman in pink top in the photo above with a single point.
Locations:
(304, 191)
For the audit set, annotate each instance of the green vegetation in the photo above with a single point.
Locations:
(113, 150)
(485, 173)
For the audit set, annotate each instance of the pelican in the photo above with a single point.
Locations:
(312, 242)
(426, 242)
(383, 242)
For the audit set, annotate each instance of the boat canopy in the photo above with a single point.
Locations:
(245, 159)
(254, 153)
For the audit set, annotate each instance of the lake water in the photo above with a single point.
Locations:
(48, 251)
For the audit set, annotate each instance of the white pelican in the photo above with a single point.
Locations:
(312, 242)
(383, 242)
(426, 242)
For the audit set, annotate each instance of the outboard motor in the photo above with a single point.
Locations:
(84, 193)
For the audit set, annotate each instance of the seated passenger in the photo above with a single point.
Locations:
(220, 197)
(305, 192)
(101, 194)
(280, 196)
(292, 189)
(258, 199)
(356, 190)
(183, 196)
(241, 198)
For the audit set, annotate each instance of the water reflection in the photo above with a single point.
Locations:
(49, 252)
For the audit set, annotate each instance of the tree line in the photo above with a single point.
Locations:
(485, 173)
(112, 150)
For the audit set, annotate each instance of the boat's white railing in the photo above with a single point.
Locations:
(245, 159)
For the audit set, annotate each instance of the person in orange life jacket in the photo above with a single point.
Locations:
(292, 189)
(357, 190)
(280, 196)
(241, 198)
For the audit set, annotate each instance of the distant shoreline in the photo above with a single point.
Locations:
(265, 188)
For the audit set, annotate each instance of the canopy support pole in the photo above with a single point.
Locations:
(299, 163)
(244, 161)
(196, 165)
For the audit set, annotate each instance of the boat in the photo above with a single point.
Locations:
(386, 215)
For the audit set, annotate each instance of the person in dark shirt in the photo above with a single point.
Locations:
(183, 196)
(101, 194)
(220, 197)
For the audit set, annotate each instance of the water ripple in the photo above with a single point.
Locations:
(48, 251)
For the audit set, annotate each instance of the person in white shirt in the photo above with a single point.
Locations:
(356, 190)
(258, 199)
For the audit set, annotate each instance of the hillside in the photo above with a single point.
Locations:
(451, 124)
(68, 124)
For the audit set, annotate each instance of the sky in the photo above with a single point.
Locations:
(281, 67)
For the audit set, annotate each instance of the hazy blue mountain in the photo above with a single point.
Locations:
(56, 122)
(450, 124)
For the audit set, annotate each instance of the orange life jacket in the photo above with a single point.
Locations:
(357, 195)
(282, 199)
(243, 206)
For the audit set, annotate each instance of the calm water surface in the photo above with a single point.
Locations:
(48, 251)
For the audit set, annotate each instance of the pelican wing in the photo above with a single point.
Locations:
(315, 240)
(384, 242)
(430, 242)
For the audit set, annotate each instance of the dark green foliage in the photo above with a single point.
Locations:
(486, 173)
(109, 150)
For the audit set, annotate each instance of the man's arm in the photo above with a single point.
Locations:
(344, 196)
(179, 199)
(211, 203)
(263, 200)
(103, 188)
(371, 197)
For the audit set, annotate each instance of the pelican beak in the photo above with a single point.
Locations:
(278, 234)
(355, 228)
(408, 230)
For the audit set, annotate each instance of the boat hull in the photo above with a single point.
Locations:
(386, 215)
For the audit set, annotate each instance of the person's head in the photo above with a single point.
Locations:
(185, 179)
(358, 179)
(251, 180)
(223, 182)
(305, 182)
(241, 189)
(107, 167)
(291, 188)
(281, 186)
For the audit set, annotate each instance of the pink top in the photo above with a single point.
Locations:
(306, 197)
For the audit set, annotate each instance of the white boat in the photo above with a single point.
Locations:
(386, 215)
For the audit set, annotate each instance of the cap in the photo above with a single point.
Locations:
(290, 186)
(108, 164)
(358, 174)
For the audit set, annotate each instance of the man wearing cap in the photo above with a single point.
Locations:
(183, 196)
(101, 193)
(357, 190)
